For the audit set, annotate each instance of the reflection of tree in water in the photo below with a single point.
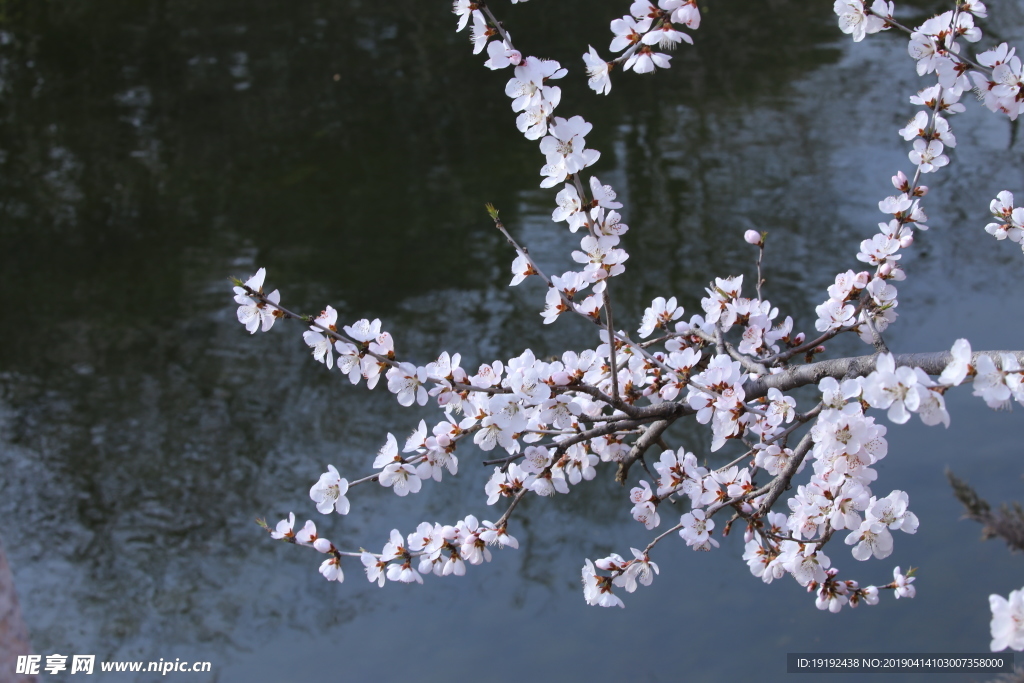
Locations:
(129, 133)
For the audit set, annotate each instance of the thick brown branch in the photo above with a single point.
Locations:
(650, 437)
(781, 482)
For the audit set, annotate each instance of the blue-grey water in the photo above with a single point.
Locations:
(150, 150)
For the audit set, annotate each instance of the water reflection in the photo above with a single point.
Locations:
(148, 152)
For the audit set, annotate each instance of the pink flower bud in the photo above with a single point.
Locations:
(515, 56)
(323, 545)
(799, 338)
(752, 237)
(899, 181)
(906, 241)
(885, 269)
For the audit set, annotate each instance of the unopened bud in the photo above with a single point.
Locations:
(515, 56)
(899, 181)
(752, 237)
(885, 269)
(561, 378)
(906, 241)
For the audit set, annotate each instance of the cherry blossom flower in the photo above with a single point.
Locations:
(598, 72)
(989, 383)
(363, 331)
(608, 224)
(383, 345)
(284, 528)
(683, 12)
(349, 361)
(804, 562)
(570, 208)
(604, 195)
(533, 121)
(1007, 621)
(322, 344)
(329, 492)
(403, 572)
(645, 60)
(565, 149)
(644, 506)
(254, 313)
(500, 55)
(331, 569)
(388, 453)
(597, 590)
(528, 86)
(436, 459)
(666, 37)
(902, 583)
(773, 458)
(307, 534)
(463, 9)
(833, 314)
(917, 127)
(493, 535)
(549, 482)
(928, 156)
(481, 33)
(932, 406)
(894, 388)
(855, 21)
(601, 257)
(628, 31)
(403, 478)
(640, 569)
(375, 568)
(397, 473)
(892, 512)
(946, 99)
(872, 538)
(696, 529)
(406, 381)
(473, 547)
(659, 314)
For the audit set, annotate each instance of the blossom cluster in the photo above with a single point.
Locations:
(557, 421)
(437, 549)
(1010, 219)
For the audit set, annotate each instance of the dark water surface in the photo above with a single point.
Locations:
(150, 150)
